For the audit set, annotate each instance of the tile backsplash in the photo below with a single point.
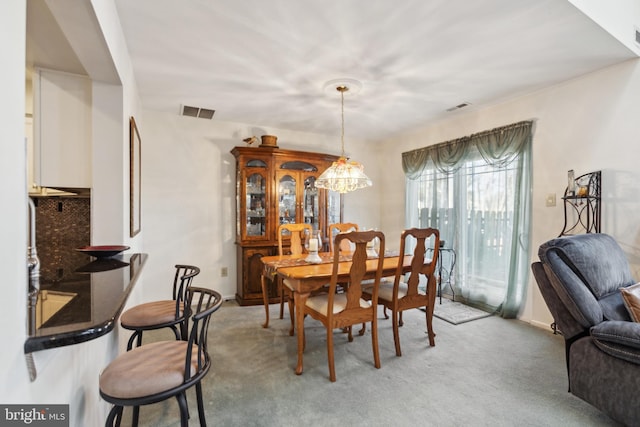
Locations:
(62, 224)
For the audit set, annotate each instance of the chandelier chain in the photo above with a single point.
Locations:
(342, 89)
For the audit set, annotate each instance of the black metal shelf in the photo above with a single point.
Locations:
(582, 208)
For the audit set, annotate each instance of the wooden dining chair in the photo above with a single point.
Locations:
(404, 293)
(341, 227)
(168, 313)
(297, 234)
(160, 370)
(343, 310)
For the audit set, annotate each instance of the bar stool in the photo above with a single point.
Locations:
(164, 313)
(160, 370)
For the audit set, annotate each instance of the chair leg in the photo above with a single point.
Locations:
(400, 322)
(332, 367)
(384, 311)
(429, 314)
(374, 342)
(114, 417)
(184, 409)
(136, 416)
(178, 335)
(363, 329)
(265, 300)
(396, 333)
(281, 292)
(291, 313)
(203, 421)
(135, 336)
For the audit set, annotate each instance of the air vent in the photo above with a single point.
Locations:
(637, 35)
(203, 113)
(459, 106)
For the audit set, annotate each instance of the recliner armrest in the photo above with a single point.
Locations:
(619, 339)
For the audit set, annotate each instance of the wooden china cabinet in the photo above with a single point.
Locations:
(273, 187)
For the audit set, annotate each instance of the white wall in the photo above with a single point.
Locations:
(13, 227)
(587, 124)
(621, 19)
(67, 375)
(188, 195)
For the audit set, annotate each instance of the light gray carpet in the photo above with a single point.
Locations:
(455, 312)
(489, 372)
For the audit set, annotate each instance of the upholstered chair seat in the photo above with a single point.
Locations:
(151, 313)
(169, 313)
(320, 303)
(386, 290)
(147, 370)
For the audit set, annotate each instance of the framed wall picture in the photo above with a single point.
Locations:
(135, 187)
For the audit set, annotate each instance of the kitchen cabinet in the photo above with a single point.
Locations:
(62, 129)
(276, 186)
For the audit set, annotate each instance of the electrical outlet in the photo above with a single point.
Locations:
(551, 200)
(224, 272)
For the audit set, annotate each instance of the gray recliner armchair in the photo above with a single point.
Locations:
(580, 279)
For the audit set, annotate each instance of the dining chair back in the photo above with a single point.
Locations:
(297, 234)
(163, 313)
(405, 292)
(341, 227)
(160, 370)
(343, 310)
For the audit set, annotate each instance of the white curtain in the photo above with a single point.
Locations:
(476, 190)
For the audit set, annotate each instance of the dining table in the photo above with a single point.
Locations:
(304, 277)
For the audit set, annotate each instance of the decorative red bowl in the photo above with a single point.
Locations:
(105, 251)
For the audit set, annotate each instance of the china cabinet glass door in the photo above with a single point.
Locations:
(334, 207)
(311, 204)
(255, 191)
(287, 199)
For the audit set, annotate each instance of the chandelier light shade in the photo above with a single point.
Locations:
(344, 175)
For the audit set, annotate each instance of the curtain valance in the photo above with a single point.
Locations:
(498, 147)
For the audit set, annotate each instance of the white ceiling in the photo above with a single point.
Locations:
(266, 63)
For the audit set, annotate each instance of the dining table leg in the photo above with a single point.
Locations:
(299, 299)
(265, 299)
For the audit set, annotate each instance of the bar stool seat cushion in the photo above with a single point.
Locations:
(147, 370)
(149, 314)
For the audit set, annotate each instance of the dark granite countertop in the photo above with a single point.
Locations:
(87, 307)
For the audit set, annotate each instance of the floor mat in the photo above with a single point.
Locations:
(455, 312)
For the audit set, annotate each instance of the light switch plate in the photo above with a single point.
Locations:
(551, 199)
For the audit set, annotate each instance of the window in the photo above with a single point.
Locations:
(480, 202)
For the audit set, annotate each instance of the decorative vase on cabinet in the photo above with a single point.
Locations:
(273, 187)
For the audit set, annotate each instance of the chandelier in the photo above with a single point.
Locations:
(344, 175)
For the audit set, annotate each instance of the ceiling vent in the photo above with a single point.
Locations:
(459, 106)
(203, 113)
